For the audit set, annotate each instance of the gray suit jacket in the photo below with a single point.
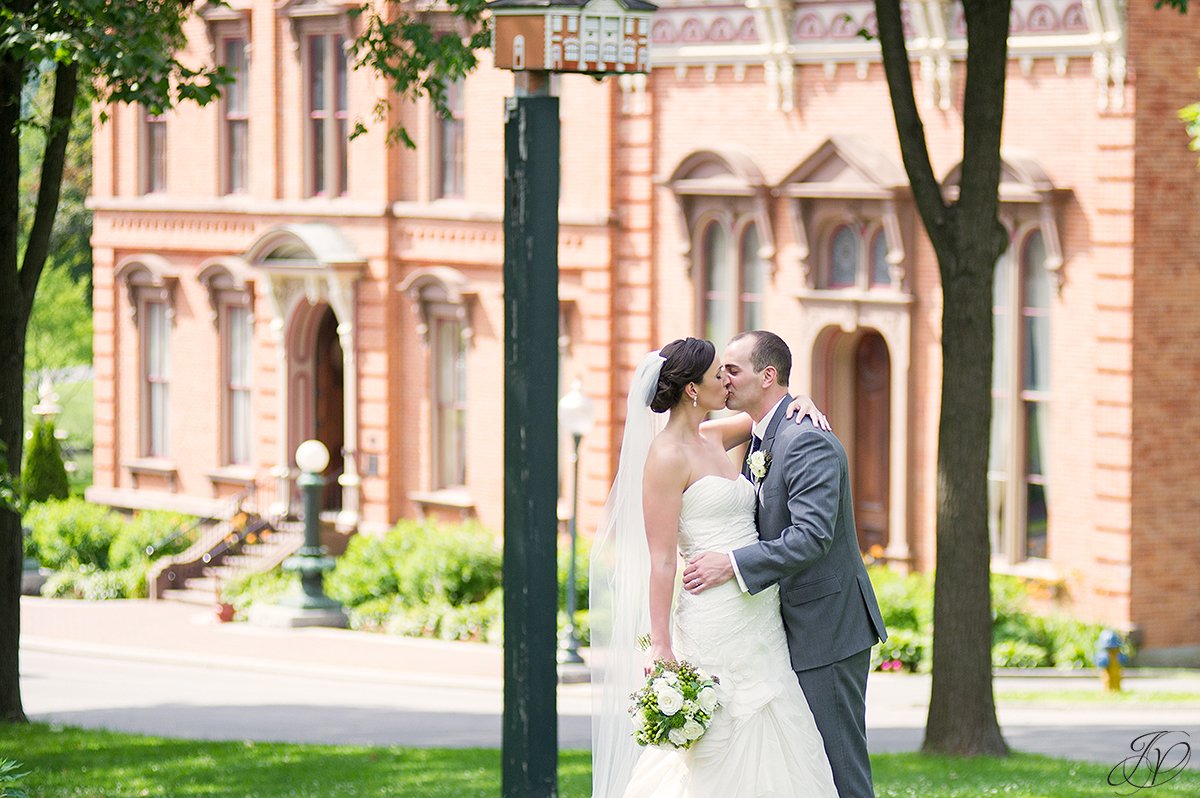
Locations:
(809, 546)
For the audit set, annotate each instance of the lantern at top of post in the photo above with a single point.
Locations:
(596, 37)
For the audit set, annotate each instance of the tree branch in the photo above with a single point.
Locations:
(913, 146)
(66, 87)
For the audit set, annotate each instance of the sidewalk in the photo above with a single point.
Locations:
(169, 669)
(166, 632)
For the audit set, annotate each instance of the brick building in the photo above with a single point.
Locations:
(261, 280)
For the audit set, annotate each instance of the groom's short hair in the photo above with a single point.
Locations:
(769, 350)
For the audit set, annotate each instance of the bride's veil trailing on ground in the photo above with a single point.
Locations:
(619, 585)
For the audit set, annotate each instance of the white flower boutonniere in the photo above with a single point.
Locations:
(760, 464)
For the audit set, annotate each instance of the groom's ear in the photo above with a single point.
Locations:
(769, 376)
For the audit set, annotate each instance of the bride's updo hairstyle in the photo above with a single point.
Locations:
(684, 360)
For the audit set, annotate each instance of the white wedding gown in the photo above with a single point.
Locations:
(763, 742)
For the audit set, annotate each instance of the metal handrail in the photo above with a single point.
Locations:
(232, 508)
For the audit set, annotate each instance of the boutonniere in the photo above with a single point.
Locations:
(760, 464)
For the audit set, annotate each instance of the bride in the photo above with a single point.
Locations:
(763, 742)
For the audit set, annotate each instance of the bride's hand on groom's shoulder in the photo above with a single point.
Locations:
(803, 407)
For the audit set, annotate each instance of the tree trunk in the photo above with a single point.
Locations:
(17, 287)
(13, 316)
(968, 238)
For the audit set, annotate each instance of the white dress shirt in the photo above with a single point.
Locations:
(759, 430)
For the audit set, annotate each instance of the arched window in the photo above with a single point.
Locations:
(843, 258)
(719, 289)
(442, 298)
(518, 52)
(571, 49)
(880, 274)
(754, 281)
(230, 295)
(1017, 463)
(150, 282)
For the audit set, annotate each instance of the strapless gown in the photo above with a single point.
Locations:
(763, 742)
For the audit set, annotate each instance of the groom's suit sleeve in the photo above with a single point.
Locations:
(812, 484)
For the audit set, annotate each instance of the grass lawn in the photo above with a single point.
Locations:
(72, 763)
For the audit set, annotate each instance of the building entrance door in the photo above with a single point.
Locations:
(329, 405)
(872, 425)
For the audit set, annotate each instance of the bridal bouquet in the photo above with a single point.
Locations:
(675, 707)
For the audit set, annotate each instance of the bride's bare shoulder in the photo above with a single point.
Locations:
(668, 461)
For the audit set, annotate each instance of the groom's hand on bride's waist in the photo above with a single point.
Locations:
(707, 569)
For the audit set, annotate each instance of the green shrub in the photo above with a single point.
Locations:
(1018, 654)
(44, 476)
(146, 529)
(478, 621)
(258, 588)
(73, 532)
(583, 549)
(373, 614)
(1021, 638)
(92, 584)
(905, 649)
(420, 563)
(29, 547)
(905, 600)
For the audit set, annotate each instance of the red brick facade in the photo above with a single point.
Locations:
(724, 132)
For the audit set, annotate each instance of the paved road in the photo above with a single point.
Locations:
(145, 668)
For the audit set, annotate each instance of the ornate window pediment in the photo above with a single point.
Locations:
(1027, 196)
(720, 178)
(439, 290)
(849, 211)
(228, 281)
(727, 238)
(148, 277)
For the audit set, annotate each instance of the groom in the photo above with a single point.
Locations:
(809, 546)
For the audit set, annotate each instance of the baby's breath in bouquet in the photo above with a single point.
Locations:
(675, 706)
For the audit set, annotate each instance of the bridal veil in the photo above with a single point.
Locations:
(619, 585)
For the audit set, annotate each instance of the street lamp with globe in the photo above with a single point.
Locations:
(311, 561)
(575, 416)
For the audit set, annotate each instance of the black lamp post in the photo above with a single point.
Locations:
(575, 417)
(311, 561)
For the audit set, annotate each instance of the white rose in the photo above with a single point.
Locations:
(660, 685)
(677, 737)
(670, 701)
(692, 730)
(672, 677)
(707, 699)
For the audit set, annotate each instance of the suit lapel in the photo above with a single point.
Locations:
(776, 420)
(768, 440)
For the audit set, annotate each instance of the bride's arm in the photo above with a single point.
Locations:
(734, 430)
(665, 479)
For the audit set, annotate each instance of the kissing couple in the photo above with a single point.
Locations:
(775, 600)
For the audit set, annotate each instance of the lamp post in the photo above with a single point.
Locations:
(311, 561)
(575, 416)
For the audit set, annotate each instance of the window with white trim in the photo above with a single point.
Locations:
(1018, 458)
(153, 152)
(326, 109)
(237, 334)
(449, 357)
(155, 331)
(450, 137)
(235, 117)
(734, 279)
